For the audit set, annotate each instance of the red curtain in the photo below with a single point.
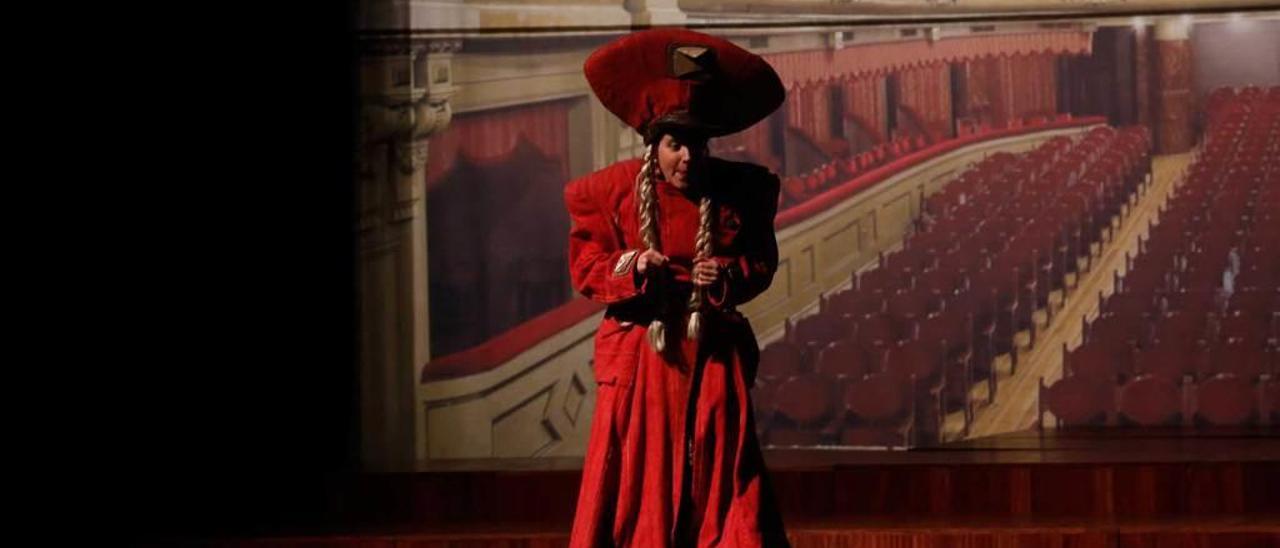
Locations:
(807, 67)
(809, 111)
(1034, 81)
(1002, 104)
(927, 92)
(1004, 89)
(496, 222)
(865, 101)
(491, 136)
(985, 94)
(821, 121)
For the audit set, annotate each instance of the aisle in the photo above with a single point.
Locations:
(1015, 405)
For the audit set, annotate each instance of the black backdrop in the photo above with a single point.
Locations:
(227, 331)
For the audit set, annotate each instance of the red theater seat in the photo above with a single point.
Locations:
(909, 307)
(1225, 400)
(1170, 360)
(1247, 328)
(1077, 401)
(879, 412)
(1149, 400)
(1186, 329)
(1096, 363)
(1271, 400)
(1193, 303)
(1238, 358)
(941, 283)
(954, 334)
(1128, 305)
(762, 398)
(793, 188)
(816, 331)
(804, 409)
(844, 361)
(879, 332)
(854, 303)
(883, 278)
(780, 361)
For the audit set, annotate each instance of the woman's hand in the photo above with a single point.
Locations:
(650, 257)
(706, 273)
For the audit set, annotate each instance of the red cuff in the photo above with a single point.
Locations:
(625, 282)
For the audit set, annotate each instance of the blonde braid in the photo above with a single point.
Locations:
(647, 202)
(702, 246)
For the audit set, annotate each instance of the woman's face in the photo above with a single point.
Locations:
(679, 156)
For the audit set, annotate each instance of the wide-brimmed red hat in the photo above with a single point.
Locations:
(682, 78)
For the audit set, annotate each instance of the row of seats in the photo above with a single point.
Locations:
(1151, 400)
(1224, 100)
(1175, 334)
(930, 318)
(975, 126)
(797, 189)
(1199, 305)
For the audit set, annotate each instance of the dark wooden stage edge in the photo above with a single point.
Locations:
(1077, 446)
(1195, 535)
(1107, 489)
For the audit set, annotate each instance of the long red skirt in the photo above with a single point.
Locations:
(634, 486)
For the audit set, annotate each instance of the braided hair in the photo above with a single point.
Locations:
(647, 202)
(703, 251)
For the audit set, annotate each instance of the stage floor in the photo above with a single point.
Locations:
(1110, 488)
(1084, 446)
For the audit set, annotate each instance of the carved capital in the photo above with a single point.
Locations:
(432, 117)
(408, 87)
(406, 90)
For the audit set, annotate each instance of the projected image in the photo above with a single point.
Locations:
(982, 228)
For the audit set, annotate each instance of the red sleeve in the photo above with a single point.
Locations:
(600, 268)
(751, 272)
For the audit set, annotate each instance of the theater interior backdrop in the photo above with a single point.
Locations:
(473, 346)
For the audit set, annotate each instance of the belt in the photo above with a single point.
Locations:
(644, 311)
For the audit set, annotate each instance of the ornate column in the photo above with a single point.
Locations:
(1173, 86)
(1142, 73)
(405, 90)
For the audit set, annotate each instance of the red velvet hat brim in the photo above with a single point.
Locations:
(633, 78)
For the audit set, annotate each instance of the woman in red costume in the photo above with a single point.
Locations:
(672, 243)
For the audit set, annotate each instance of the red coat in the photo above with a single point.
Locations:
(634, 478)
